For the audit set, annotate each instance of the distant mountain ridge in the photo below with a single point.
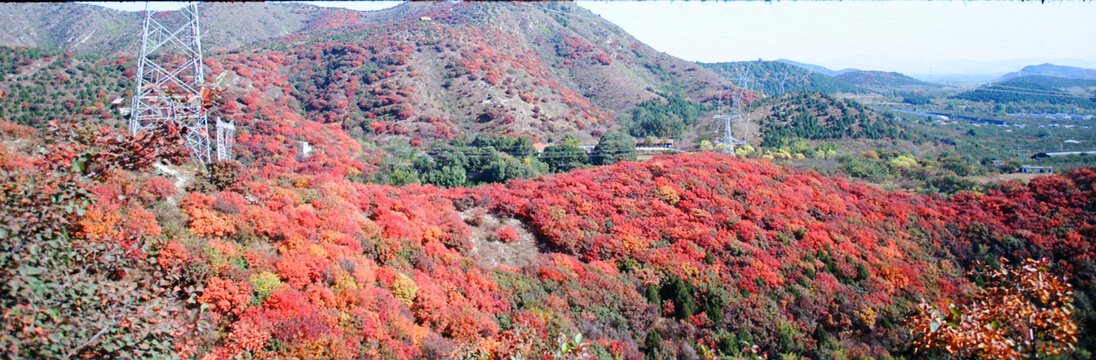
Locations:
(1068, 72)
(869, 79)
(1036, 89)
(817, 68)
(96, 30)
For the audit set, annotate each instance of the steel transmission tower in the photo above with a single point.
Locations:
(226, 137)
(729, 142)
(170, 80)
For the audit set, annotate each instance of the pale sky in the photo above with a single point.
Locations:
(911, 37)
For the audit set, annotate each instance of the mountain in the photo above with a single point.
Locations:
(817, 116)
(418, 70)
(777, 77)
(1068, 72)
(95, 30)
(883, 80)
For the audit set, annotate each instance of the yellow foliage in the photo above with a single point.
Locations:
(404, 289)
(902, 162)
(346, 282)
(669, 194)
(264, 283)
(330, 236)
(867, 316)
(744, 150)
(301, 182)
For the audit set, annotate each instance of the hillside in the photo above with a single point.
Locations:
(420, 225)
(1068, 72)
(106, 32)
(550, 68)
(884, 80)
(41, 85)
(817, 116)
(776, 78)
(674, 256)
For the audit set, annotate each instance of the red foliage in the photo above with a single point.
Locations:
(506, 234)
(225, 296)
(603, 59)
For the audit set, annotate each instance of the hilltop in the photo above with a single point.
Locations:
(816, 68)
(1068, 72)
(883, 80)
(817, 116)
(776, 78)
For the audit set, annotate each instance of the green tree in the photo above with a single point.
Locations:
(403, 176)
(614, 147)
(566, 156)
(446, 176)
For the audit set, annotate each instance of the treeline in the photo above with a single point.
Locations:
(496, 159)
(816, 116)
(915, 98)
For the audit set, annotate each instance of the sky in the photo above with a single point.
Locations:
(913, 37)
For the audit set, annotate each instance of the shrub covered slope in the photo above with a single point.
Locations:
(685, 254)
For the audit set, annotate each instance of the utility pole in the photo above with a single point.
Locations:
(784, 77)
(170, 81)
(729, 142)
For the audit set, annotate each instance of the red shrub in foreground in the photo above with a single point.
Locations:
(697, 249)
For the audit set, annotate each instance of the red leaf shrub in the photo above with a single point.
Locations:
(506, 234)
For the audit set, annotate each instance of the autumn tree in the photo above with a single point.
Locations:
(1022, 312)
